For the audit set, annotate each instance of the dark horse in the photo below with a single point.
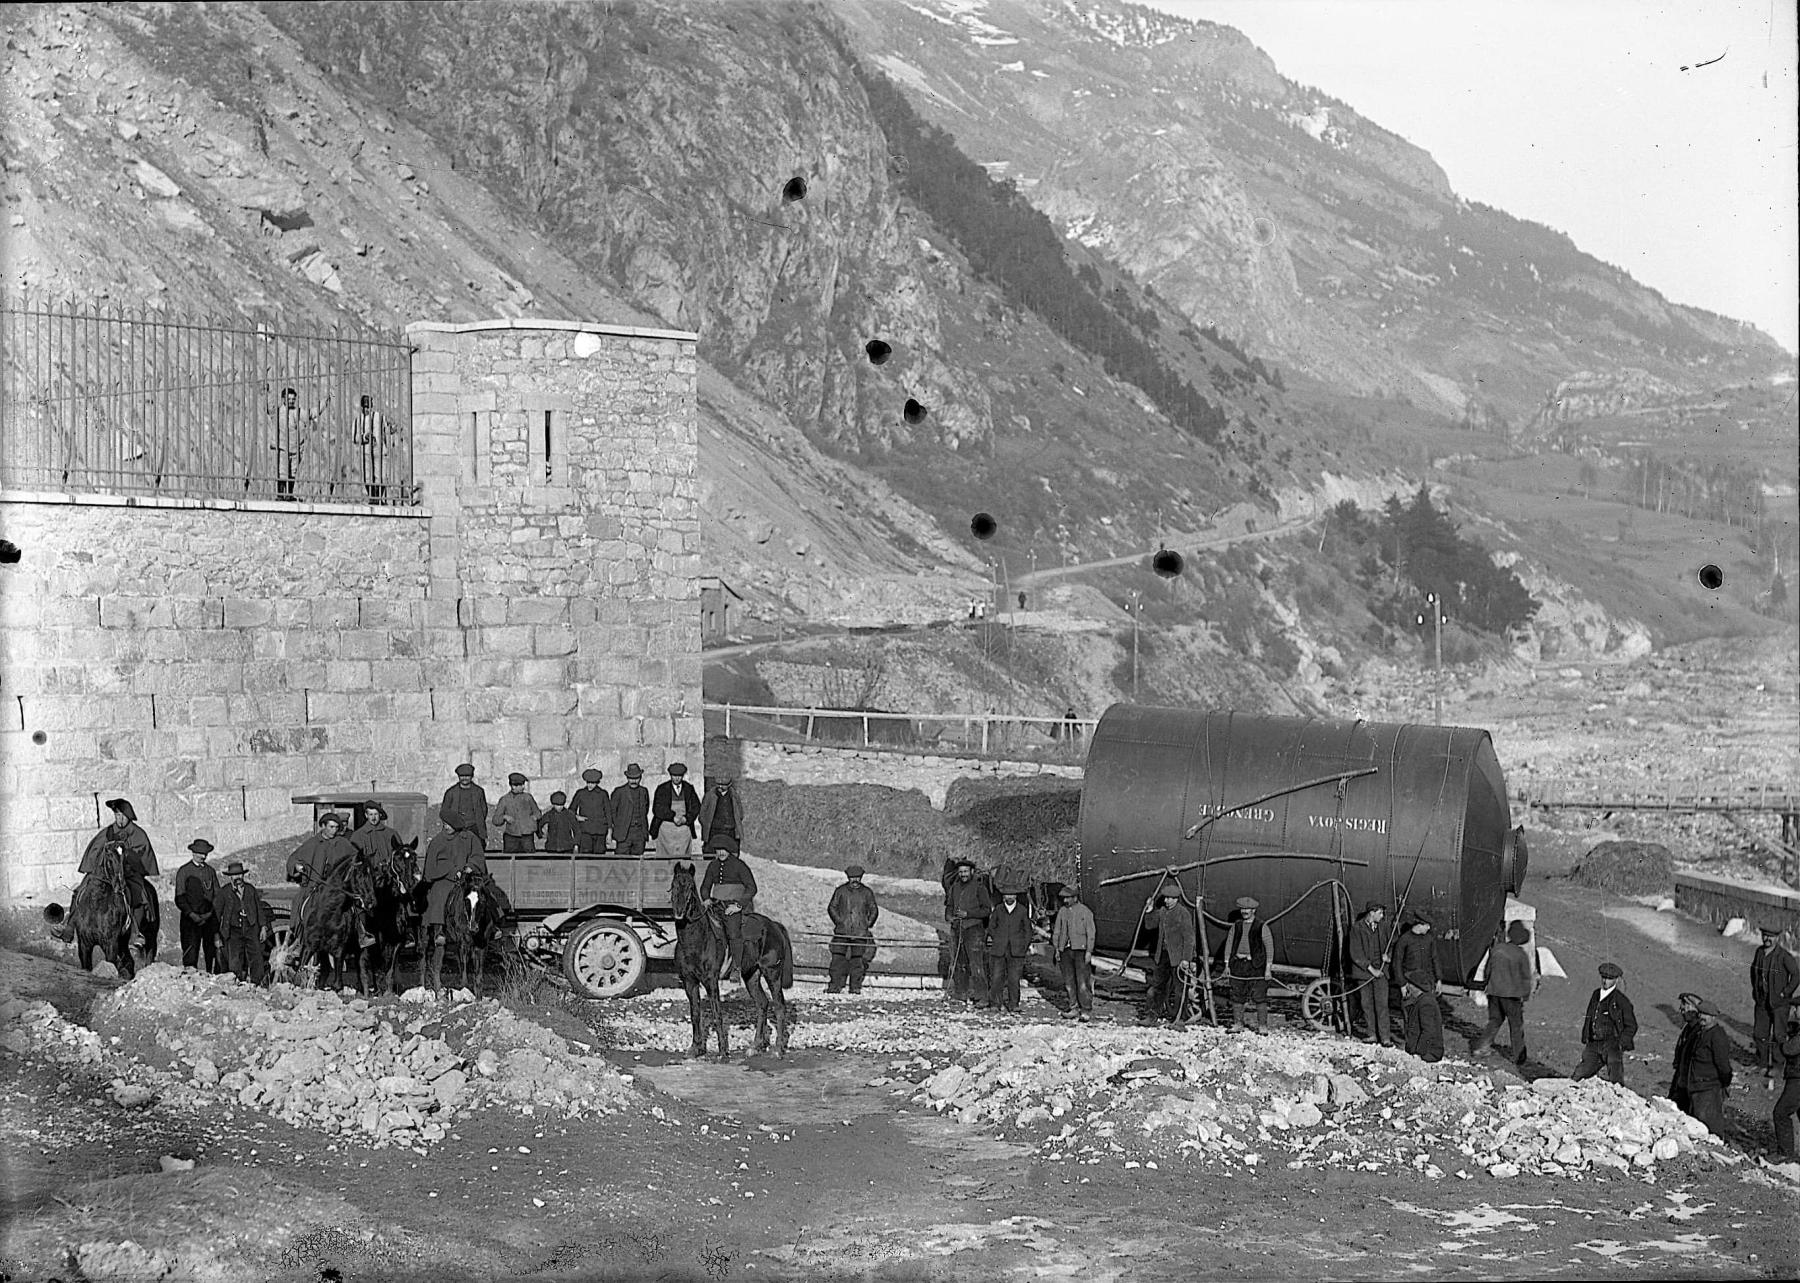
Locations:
(394, 919)
(700, 951)
(765, 959)
(336, 921)
(104, 916)
(474, 919)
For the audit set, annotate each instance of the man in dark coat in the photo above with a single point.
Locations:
(721, 819)
(1416, 965)
(196, 883)
(465, 806)
(1248, 956)
(1368, 974)
(1774, 976)
(1173, 922)
(376, 840)
(515, 815)
(967, 906)
(662, 802)
(1787, 1105)
(853, 912)
(449, 854)
(320, 852)
(631, 813)
(592, 805)
(244, 925)
(1609, 1029)
(558, 825)
(727, 877)
(1509, 983)
(140, 858)
(1009, 944)
(1702, 1072)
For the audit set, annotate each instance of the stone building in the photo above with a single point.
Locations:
(209, 658)
(720, 608)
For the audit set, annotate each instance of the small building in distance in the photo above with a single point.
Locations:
(720, 606)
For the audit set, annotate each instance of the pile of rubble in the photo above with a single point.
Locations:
(382, 1075)
(1139, 1097)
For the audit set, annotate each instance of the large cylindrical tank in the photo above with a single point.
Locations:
(1388, 810)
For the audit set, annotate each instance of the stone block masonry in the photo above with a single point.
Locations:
(539, 613)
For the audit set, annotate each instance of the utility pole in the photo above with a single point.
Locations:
(1438, 620)
(1137, 606)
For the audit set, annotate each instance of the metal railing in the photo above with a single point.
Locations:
(111, 401)
(1048, 738)
(1691, 795)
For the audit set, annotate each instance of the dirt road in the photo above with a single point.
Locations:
(822, 1166)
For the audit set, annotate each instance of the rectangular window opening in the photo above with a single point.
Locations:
(548, 465)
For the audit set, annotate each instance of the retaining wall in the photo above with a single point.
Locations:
(208, 660)
(931, 775)
(1718, 900)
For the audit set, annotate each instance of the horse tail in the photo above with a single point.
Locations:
(787, 954)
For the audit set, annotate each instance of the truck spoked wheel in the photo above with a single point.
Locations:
(605, 959)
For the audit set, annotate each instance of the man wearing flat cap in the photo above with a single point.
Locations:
(631, 813)
(1368, 974)
(140, 861)
(1249, 956)
(465, 806)
(967, 907)
(1688, 1004)
(1172, 919)
(516, 816)
(1510, 982)
(196, 883)
(592, 806)
(1416, 965)
(1702, 1069)
(449, 854)
(853, 913)
(721, 818)
(672, 790)
(1774, 976)
(1072, 941)
(1009, 944)
(1609, 1029)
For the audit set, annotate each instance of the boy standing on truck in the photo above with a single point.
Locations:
(557, 826)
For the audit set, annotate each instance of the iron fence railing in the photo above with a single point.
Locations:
(111, 401)
(1056, 739)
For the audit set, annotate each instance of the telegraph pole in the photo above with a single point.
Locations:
(1438, 620)
(1137, 606)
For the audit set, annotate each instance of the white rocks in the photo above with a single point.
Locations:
(153, 180)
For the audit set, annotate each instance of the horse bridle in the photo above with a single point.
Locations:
(112, 871)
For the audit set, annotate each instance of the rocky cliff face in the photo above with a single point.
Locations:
(1274, 211)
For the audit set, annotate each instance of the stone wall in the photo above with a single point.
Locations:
(208, 660)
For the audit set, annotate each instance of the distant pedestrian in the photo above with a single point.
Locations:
(465, 805)
(376, 436)
(721, 818)
(853, 911)
(196, 883)
(592, 805)
(1416, 965)
(1609, 1029)
(631, 813)
(1249, 956)
(557, 825)
(1072, 940)
(1173, 922)
(245, 926)
(1073, 728)
(1368, 974)
(1787, 1105)
(1510, 982)
(516, 816)
(1774, 976)
(1702, 1068)
(1021, 601)
(293, 427)
(967, 907)
(1009, 944)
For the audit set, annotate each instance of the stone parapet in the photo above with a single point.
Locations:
(930, 774)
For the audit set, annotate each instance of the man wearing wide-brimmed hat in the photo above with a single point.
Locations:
(1609, 1029)
(853, 912)
(592, 806)
(196, 882)
(1368, 974)
(140, 859)
(1774, 977)
(1702, 1068)
(631, 813)
(244, 925)
(1249, 957)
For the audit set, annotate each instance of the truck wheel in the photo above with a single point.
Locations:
(605, 959)
(1316, 1006)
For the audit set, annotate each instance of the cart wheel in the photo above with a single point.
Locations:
(605, 959)
(1317, 1006)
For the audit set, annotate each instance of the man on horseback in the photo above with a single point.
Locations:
(375, 841)
(315, 858)
(454, 863)
(140, 861)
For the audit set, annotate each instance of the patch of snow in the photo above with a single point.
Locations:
(1013, 66)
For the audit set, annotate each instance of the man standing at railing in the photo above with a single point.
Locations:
(376, 436)
(593, 813)
(631, 813)
(292, 428)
